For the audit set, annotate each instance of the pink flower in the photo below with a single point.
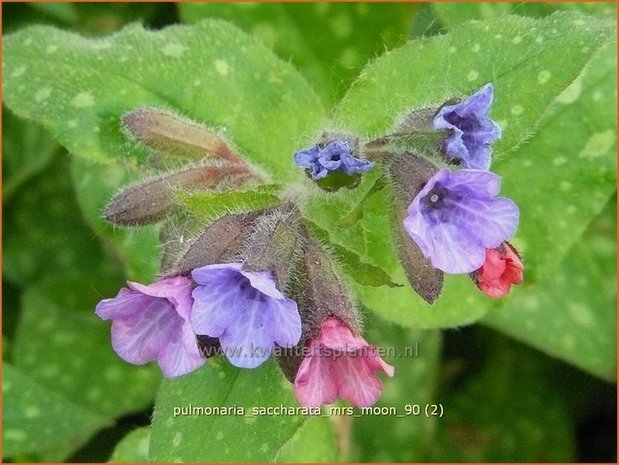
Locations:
(339, 364)
(500, 270)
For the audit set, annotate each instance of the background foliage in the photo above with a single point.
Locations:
(531, 380)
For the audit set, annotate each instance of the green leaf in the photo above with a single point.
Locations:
(572, 313)
(133, 448)
(26, 150)
(137, 249)
(509, 409)
(321, 39)
(362, 272)
(585, 167)
(36, 241)
(529, 61)
(415, 357)
(208, 205)
(453, 14)
(313, 442)
(36, 419)
(564, 176)
(211, 72)
(212, 437)
(68, 350)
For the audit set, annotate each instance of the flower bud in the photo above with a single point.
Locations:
(150, 201)
(275, 245)
(222, 241)
(320, 293)
(409, 173)
(172, 135)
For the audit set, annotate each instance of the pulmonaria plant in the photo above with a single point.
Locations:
(457, 216)
(245, 310)
(151, 323)
(502, 268)
(335, 156)
(339, 365)
(472, 131)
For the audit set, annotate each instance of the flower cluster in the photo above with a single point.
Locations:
(335, 156)
(256, 285)
(160, 322)
(457, 219)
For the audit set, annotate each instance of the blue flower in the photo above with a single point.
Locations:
(245, 310)
(472, 130)
(335, 156)
(457, 216)
(152, 323)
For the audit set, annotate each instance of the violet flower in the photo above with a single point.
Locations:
(472, 131)
(245, 310)
(152, 323)
(335, 156)
(457, 216)
(339, 364)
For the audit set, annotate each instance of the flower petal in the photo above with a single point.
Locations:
(140, 339)
(127, 304)
(315, 383)
(284, 322)
(356, 382)
(247, 341)
(213, 309)
(180, 355)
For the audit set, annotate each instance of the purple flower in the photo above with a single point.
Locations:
(152, 323)
(245, 311)
(472, 130)
(335, 156)
(457, 216)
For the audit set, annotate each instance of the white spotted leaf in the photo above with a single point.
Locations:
(210, 72)
(197, 433)
(574, 149)
(38, 420)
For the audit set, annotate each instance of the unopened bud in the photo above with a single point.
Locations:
(150, 201)
(321, 293)
(408, 174)
(276, 245)
(221, 242)
(172, 135)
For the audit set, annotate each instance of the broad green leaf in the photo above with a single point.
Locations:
(415, 356)
(508, 409)
(211, 72)
(138, 248)
(44, 232)
(362, 272)
(529, 171)
(133, 448)
(212, 437)
(36, 419)
(314, 441)
(529, 61)
(322, 39)
(564, 176)
(68, 350)
(26, 150)
(453, 14)
(208, 205)
(572, 313)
